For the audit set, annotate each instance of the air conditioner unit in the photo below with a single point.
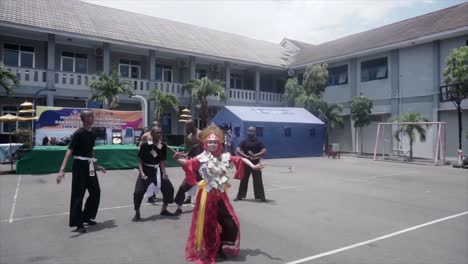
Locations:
(99, 52)
(291, 73)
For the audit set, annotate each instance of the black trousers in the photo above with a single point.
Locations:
(180, 195)
(183, 188)
(81, 181)
(259, 192)
(142, 185)
(229, 227)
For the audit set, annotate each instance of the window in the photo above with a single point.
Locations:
(300, 78)
(312, 132)
(236, 81)
(338, 75)
(287, 132)
(201, 74)
(129, 69)
(163, 73)
(374, 70)
(18, 56)
(259, 131)
(237, 131)
(166, 124)
(74, 62)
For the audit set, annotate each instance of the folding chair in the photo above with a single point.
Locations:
(128, 138)
(101, 135)
(137, 135)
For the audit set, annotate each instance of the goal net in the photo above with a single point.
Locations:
(391, 143)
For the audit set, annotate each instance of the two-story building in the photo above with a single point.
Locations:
(56, 47)
(400, 67)
(62, 45)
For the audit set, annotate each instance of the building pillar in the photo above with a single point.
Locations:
(396, 93)
(395, 82)
(353, 88)
(193, 67)
(435, 97)
(152, 65)
(436, 79)
(51, 61)
(106, 59)
(227, 86)
(50, 99)
(257, 86)
(50, 68)
(193, 76)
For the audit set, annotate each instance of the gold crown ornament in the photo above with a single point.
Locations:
(212, 132)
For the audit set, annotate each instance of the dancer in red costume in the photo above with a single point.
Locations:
(215, 227)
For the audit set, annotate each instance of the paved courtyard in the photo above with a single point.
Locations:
(347, 210)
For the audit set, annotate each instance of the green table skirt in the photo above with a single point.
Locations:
(48, 159)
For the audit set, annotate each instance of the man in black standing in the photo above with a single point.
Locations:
(152, 166)
(253, 149)
(84, 175)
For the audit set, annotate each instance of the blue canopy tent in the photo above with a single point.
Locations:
(285, 132)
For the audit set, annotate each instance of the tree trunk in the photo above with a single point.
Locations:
(355, 140)
(327, 144)
(411, 150)
(360, 141)
(109, 103)
(203, 114)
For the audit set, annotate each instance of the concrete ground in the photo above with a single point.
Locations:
(347, 210)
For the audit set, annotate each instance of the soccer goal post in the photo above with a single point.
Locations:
(435, 145)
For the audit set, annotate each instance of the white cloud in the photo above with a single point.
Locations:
(309, 21)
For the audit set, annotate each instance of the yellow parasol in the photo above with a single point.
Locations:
(14, 118)
(10, 118)
(26, 104)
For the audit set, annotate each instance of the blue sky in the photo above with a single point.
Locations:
(314, 21)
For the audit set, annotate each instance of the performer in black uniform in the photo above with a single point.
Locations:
(196, 147)
(84, 175)
(151, 157)
(253, 149)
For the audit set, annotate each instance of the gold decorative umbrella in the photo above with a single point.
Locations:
(10, 118)
(185, 116)
(13, 118)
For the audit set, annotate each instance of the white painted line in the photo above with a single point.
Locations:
(375, 239)
(14, 199)
(282, 188)
(403, 173)
(66, 213)
(277, 186)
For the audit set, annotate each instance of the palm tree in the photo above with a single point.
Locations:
(330, 114)
(108, 88)
(7, 79)
(164, 102)
(200, 90)
(410, 130)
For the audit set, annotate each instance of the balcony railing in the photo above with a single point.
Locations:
(71, 80)
(270, 98)
(140, 86)
(81, 81)
(170, 88)
(239, 95)
(30, 77)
